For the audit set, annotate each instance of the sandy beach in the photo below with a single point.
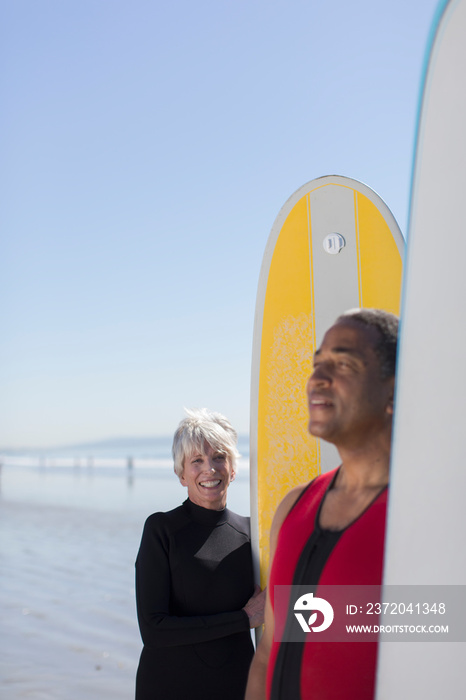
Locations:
(67, 550)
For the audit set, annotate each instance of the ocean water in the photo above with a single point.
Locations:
(69, 535)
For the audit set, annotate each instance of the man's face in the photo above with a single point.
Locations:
(349, 403)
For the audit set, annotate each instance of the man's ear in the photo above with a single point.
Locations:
(390, 403)
(232, 476)
(182, 479)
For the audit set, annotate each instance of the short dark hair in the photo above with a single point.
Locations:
(386, 325)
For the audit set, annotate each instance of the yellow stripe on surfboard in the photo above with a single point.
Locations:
(381, 264)
(287, 346)
(286, 454)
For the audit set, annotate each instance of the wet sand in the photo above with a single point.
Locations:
(67, 608)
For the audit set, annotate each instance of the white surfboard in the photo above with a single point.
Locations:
(427, 522)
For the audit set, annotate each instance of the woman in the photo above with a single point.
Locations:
(194, 580)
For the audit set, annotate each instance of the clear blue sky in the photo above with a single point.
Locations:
(146, 149)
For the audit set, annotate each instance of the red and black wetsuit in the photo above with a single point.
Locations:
(308, 555)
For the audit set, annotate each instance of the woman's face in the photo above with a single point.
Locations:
(207, 475)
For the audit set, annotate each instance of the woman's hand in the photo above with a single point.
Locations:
(254, 608)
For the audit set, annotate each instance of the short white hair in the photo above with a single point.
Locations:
(202, 426)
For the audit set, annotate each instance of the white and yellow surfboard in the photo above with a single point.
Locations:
(334, 246)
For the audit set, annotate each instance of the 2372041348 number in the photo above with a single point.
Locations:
(405, 608)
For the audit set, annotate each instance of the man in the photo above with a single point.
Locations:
(331, 531)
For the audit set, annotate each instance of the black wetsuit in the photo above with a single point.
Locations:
(193, 577)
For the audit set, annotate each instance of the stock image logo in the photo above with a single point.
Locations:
(308, 603)
(367, 613)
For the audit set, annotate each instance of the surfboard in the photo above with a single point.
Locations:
(334, 246)
(426, 524)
